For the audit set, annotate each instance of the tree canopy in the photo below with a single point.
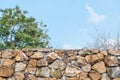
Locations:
(19, 31)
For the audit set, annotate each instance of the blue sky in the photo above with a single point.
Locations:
(71, 23)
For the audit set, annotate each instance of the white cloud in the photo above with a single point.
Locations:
(94, 17)
(70, 46)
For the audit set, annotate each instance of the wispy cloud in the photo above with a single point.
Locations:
(70, 46)
(94, 17)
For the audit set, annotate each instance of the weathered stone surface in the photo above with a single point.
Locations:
(73, 78)
(73, 57)
(94, 75)
(105, 77)
(19, 76)
(53, 55)
(16, 52)
(113, 72)
(86, 68)
(58, 64)
(95, 50)
(95, 57)
(60, 53)
(114, 52)
(6, 71)
(86, 50)
(32, 63)
(81, 52)
(43, 72)
(20, 66)
(100, 67)
(56, 74)
(10, 78)
(6, 54)
(2, 78)
(116, 79)
(30, 70)
(83, 75)
(81, 60)
(104, 53)
(111, 61)
(67, 60)
(72, 71)
(37, 55)
(21, 56)
(6, 62)
(70, 52)
(87, 79)
(32, 77)
(42, 63)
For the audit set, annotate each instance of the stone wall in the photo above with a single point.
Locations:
(46, 64)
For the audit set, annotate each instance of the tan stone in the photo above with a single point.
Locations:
(53, 55)
(43, 72)
(73, 57)
(100, 67)
(29, 53)
(94, 75)
(72, 71)
(116, 79)
(56, 74)
(66, 60)
(105, 77)
(21, 56)
(19, 76)
(32, 63)
(70, 52)
(83, 75)
(104, 53)
(42, 62)
(10, 78)
(95, 50)
(37, 55)
(20, 66)
(6, 54)
(86, 67)
(6, 62)
(73, 78)
(114, 52)
(87, 79)
(94, 58)
(32, 77)
(111, 61)
(30, 70)
(16, 52)
(2, 78)
(58, 64)
(6, 71)
(60, 53)
(81, 60)
(49, 60)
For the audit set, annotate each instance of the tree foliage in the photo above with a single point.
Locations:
(19, 31)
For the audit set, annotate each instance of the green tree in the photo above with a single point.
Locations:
(19, 31)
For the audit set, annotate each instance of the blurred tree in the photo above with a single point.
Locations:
(19, 31)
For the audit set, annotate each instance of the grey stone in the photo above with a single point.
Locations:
(58, 64)
(105, 77)
(43, 72)
(72, 71)
(113, 72)
(20, 66)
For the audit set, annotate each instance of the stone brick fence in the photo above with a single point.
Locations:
(46, 64)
